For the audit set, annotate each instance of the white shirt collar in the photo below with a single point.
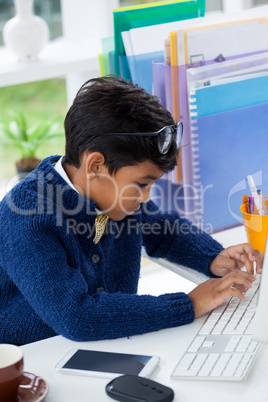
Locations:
(59, 168)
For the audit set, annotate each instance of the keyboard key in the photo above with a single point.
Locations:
(243, 365)
(196, 344)
(232, 365)
(249, 329)
(191, 364)
(209, 364)
(206, 330)
(186, 362)
(232, 344)
(252, 346)
(243, 345)
(208, 344)
(197, 363)
(218, 328)
(221, 364)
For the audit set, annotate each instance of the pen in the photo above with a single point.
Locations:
(259, 192)
(251, 204)
(261, 208)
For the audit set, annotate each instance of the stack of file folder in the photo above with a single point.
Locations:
(222, 80)
(211, 73)
(133, 62)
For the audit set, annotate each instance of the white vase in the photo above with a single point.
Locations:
(25, 34)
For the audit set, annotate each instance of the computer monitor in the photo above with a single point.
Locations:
(260, 324)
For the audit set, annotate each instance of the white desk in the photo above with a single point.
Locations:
(169, 344)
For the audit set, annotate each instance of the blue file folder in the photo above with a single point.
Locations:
(229, 146)
(140, 67)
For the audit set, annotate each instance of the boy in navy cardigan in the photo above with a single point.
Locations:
(71, 232)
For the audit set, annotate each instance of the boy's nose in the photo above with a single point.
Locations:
(144, 196)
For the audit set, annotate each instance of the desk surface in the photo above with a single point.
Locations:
(169, 345)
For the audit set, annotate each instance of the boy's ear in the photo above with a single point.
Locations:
(93, 163)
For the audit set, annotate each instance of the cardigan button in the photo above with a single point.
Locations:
(100, 290)
(95, 258)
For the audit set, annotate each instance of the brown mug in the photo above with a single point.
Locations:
(11, 370)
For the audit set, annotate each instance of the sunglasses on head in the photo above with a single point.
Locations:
(165, 136)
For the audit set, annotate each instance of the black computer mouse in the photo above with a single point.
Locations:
(132, 388)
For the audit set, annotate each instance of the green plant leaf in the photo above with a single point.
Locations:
(21, 126)
(37, 131)
(42, 130)
(28, 140)
(14, 128)
(54, 135)
(7, 133)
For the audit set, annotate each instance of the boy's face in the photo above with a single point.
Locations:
(121, 194)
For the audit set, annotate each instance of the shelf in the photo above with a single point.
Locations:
(58, 58)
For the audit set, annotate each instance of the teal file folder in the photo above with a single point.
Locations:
(231, 95)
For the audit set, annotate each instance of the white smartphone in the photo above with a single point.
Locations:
(106, 364)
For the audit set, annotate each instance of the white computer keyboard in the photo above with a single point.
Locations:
(223, 349)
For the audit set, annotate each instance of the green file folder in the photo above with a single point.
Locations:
(126, 18)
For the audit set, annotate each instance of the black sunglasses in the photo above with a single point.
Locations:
(165, 137)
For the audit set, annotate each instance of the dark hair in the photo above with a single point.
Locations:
(111, 104)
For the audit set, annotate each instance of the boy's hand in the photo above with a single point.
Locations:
(213, 292)
(235, 258)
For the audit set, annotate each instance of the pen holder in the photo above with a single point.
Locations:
(256, 226)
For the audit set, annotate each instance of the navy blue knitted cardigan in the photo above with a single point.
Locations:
(55, 280)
